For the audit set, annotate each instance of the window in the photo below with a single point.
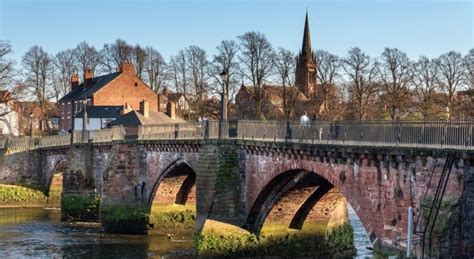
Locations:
(136, 84)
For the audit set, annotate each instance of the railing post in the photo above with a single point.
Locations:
(206, 129)
(176, 130)
(288, 131)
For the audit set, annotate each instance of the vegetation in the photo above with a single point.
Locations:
(80, 207)
(338, 243)
(124, 219)
(175, 217)
(21, 196)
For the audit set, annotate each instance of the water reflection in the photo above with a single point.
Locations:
(39, 233)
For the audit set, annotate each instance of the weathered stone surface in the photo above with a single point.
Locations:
(379, 183)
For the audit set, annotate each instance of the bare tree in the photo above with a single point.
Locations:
(178, 71)
(155, 68)
(225, 61)
(107, 63)
(425, 82)
(6, 65)
(121, 52)
(86, 56)
(36, 63)
(327, 66)
(196, 62)
(362, 72)
(395, 74)
(256, 57)
(64, 67)
(285, 65)
(453, 75)
(138, 59)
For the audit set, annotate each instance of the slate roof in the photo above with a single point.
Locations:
(135, 118)
(101, 112)
(97, 83)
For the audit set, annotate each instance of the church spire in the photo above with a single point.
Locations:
(306, 37)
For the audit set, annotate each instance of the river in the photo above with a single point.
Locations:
(38, 232)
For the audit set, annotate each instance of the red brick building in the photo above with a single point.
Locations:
(116, 89)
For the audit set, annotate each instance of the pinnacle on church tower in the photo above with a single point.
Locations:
(306, 67)
(306, 49)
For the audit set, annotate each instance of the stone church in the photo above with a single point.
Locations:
(300, 98)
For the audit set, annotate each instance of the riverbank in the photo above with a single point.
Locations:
(18, 196)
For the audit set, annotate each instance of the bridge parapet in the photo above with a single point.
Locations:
(54, 141)
(458, 135)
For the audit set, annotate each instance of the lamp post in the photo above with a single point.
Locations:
(223, 119)
(84, 122)
(31, 124)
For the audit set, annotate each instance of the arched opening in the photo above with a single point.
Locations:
(172, 202)
(54, 185)
(304, 204)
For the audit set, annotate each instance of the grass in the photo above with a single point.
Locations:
(175, 218)
(21, 196)
(232, 243)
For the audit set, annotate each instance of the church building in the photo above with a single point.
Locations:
(299, 98)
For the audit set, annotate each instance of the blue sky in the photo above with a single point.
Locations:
(428, 27)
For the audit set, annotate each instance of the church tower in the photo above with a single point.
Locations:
(305, 78)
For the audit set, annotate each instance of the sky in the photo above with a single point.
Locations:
(418, 27)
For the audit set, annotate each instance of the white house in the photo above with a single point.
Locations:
(97, 117)
(8, 116)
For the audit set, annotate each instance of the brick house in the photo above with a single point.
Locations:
(115, 89)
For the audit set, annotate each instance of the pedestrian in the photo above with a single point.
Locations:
(304, 120)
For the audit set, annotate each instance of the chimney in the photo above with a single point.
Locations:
(88, 75)
(127, 68)
(126, 109)
(74, 81)
(144, 108)
(171, 110)
(165, 91)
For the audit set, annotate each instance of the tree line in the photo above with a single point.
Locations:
(355, 86)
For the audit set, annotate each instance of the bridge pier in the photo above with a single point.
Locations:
(123, 207)
(80, 198)
(220, 185)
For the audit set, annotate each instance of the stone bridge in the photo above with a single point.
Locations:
(244, 173)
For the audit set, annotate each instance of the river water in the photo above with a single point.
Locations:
(38, 232)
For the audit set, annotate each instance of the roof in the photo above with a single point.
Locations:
(101, 112)
(275, 92)
(135, 118)
(97, 83)
(5, 96)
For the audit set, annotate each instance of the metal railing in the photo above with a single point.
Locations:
(434, 135)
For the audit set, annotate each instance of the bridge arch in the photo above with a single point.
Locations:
(186, 176)
(59, 166)
(269, 185)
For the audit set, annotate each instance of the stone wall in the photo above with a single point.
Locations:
(379, 186)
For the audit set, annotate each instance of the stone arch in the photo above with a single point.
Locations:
(56, 167)
(177, 168)
(280, 186)
(260, 185)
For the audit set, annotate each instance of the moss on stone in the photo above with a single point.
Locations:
(79, 207)
(124, 220)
